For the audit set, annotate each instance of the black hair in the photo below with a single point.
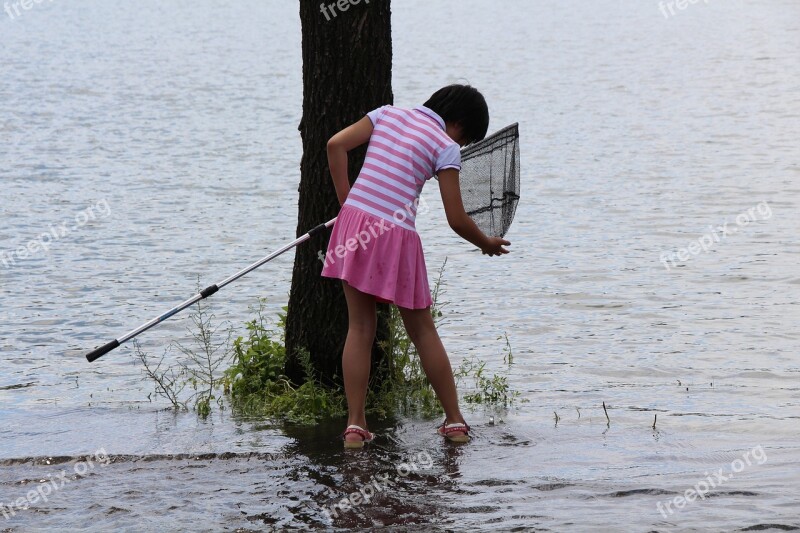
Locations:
(464, 105)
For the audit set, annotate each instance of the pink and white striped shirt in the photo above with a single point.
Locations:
(407, 147)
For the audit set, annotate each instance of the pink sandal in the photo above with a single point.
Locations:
(366, 436)
(445, 430)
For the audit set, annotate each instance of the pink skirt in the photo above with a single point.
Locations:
(379, 258)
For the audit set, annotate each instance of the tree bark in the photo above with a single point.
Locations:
(347, 64)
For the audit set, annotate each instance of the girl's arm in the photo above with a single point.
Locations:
(351, 137)
(458, 219)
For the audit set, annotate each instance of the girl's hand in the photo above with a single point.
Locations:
(459, 220)
(495, 246)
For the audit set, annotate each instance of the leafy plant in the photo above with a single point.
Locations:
(168, 383)
(258, 386)
(258, 359)
(487, 390)
(199, 369)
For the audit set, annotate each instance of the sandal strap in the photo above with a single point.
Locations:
(450, 428)
(366, 435)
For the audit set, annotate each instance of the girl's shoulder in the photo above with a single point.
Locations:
(378, 113)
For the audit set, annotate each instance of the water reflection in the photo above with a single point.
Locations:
(392, 481)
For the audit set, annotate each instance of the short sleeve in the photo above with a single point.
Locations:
(449, 157)
(376, 114)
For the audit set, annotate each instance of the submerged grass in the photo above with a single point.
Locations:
(255, 384)
(193, 381)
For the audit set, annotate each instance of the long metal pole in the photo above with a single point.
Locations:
(205, 293)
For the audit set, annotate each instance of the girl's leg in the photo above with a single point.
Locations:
(356, 357)
(422, 331)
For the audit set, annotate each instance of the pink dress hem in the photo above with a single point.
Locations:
(378, 257)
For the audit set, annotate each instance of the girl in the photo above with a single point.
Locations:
(374, 247)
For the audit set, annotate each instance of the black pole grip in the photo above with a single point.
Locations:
(317, 229)
(101, 351)
(208, 291)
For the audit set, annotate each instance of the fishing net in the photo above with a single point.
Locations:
(489, 180)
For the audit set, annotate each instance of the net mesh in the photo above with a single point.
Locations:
(489, 180)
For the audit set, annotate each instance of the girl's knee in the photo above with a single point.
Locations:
(418, 323)
(365, 328)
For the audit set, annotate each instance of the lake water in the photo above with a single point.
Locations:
(158, 142)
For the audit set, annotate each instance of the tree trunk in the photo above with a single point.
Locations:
(347, 65)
